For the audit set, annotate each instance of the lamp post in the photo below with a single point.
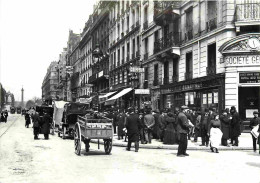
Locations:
(97, 54)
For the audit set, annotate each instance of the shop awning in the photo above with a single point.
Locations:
(85, 100)
(120, 94)
(106, 95)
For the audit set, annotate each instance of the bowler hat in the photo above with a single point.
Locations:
(255, 112)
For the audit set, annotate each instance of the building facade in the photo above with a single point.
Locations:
(62, 75)
(50, 84)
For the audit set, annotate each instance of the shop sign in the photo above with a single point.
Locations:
(242, 60)
(101, 73)
(249, 77)
(136, 69)
(142, 91)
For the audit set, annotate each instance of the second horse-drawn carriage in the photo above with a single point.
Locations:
(71, 111)
(41, 110)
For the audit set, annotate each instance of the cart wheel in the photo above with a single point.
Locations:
(108, 146)
(77, 139)
(64, 132)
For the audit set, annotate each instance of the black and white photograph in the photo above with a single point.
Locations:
(129, 91)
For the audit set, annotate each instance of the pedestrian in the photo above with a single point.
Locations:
(235, 125)
(253, 123)
(149, 123)
(121, 118)
(197, 126)
(36, 125)
(162, 124)
(215, 134)
(27, 119)
(204, 128)
(6, 115)
(225, 127)
(46, 124)
(142, 126)
(2, 117)
(170, 134)
(156, 115)
(183, 130)
(133, 126)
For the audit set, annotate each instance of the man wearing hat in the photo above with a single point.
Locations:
(225, 127)
(235, 125)
(253, 123)
(183, 130)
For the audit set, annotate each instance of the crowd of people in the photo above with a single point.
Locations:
(179, 126)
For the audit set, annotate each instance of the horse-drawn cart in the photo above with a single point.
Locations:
(88, 128)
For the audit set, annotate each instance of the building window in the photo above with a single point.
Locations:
(211, 68)
(189, 68)
(118, 57)
(189, 24)
(123, 54)
(146, 77)
(212, 15)
(166, 73)
(155, 79)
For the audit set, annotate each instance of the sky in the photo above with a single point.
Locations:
(32, 34)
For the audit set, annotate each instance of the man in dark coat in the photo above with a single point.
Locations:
(6, 115)
(183, 130)
(149, 123)
(253, 123)
(46, 124)
(235, 125)
(2, 117)
(27, 119)
(156, 115)
(36, 125)
(133, 125)
(204, 128)
(225, 125)
(162, 123)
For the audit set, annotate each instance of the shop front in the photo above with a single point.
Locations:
(242, 81)
(197, 94)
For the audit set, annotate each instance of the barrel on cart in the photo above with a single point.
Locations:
(88, 128)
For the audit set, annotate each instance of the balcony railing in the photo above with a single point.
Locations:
(161, 6)
(122, 34)
(248, 12)
(127, 31)
(145, 56)
(166, 80)
(145, 25)
(188, 75)
(170, 40)
(212, 24)
(211, 70)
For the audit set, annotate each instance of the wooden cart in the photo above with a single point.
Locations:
(87, 128)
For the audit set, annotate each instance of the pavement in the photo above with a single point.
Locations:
(245, 143)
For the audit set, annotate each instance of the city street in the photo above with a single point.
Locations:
(23, 159)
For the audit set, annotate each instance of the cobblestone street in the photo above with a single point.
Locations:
(26, 160)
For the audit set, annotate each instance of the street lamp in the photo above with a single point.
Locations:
(97, 54)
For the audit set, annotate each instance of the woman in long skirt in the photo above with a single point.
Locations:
(215, 134)
(170, 132)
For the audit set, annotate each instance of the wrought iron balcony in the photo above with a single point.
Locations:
(145, 56)
(170, 40)
(188, 75)
(211, 24)
(145, 25)
(211, 70)
(166, 80)
(163, 10)
(248, 12)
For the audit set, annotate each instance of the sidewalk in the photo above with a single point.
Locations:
(245, 143)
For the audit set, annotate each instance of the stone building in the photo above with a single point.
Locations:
(62, 75)
(50, 84)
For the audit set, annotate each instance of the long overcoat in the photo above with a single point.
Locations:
(133, 125)
(225, 126)
(46, 123)
(235, 125)
(121, 118)
(156, 130)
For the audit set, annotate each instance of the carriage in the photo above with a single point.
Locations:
(12, 110)
(88, 128)
(40, 110)
(71, 111)
(19, 110)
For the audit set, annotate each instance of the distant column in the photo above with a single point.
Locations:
(22, 98)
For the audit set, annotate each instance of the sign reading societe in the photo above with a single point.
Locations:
(242, 60)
